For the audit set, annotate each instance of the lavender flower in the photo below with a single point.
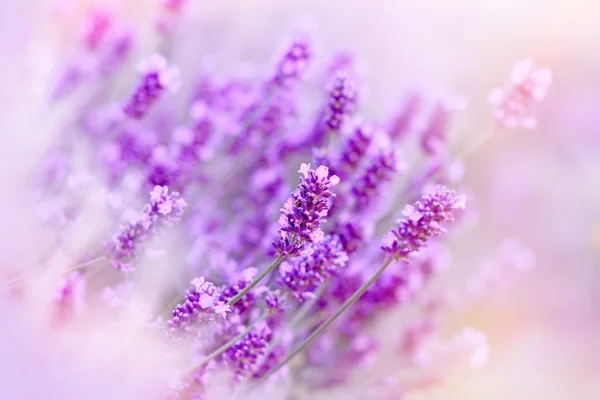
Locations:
(157, 77)
(354, 150)
(434, 133)
(342, 101)
(245, 355)
(164, 208)
(96, 27)
(352, 234)
(528, 85)
(402, 122)
(246, 303)
(303, 213)
(69, 299)
(306, 274)
(422, 221)
(367, 186)
(202, 303)
(119, 48)
(292, 65)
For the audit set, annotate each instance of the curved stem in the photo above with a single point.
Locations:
(85, 264)
(461, 156)
(329, 321)
(256, 280)
(18, 279)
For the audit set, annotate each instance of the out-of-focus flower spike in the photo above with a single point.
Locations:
(513, 104)
(292, 65)
(404, 119)
(168, 13)
(381, 168)
(354, 149)
(69, 299)
(164, 208)
(342, 101)
(96, 27)
(118, 49)
(157, 76)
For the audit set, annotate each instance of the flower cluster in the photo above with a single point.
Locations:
(309, 271)
(354, 150)
(202, 303)
(342, 101)
(528, 85)
(244, 356)
(270, 272)
(157, 77)
(164, 208)
(304, 212)
(422, 221)
(293, 64)
(379, 171)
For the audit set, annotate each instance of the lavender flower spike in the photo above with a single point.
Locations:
(164, 208)
(201, 304)
(513, 104)
(422, 221)
(292, 65)
(157, 76)
(243, 357)
(303, 213)
(342, 101)
(304, 277)
(301, 217)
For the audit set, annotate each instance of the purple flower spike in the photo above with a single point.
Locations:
(246, 304)
(303, 213)
(354, 149)
(513, 104)
(403, 120)
(342, 101)
(157, 76)
(351, 233)
(434, 134)
(164, 208)
(422, 221)
(96, 27)
(292, 65)
(305, 276)
(368, 185)
(244, 356)
(202, 304)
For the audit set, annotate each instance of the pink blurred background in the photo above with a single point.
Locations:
(542, 187)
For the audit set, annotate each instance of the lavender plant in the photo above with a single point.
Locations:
(281, 290)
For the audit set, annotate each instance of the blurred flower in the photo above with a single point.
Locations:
(513, 104)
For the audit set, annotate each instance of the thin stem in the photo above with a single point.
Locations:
(230, 343)
(18, 279)
(85, 264)
(256, 280)
(329, 321)
(461, 156)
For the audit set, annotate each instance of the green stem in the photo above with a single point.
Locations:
(329, 321)
(256, 280)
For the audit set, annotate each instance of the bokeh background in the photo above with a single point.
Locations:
(542, 187)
